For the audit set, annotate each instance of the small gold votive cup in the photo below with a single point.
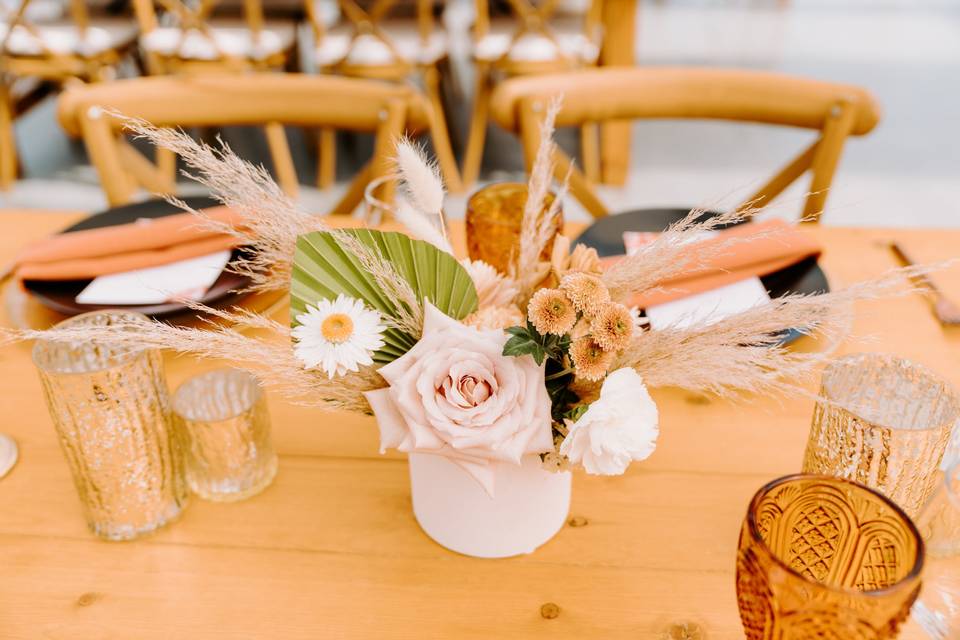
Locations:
(493, 220)
(883, 422)
(111, 409)
(823, 557)
(224, 424)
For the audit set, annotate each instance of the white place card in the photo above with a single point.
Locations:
(187, 279)
(710, 306)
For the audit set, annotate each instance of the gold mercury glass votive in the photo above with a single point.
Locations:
(823, 557)
(883, 422)
(494, 217)
(223, 421)
(111, 410)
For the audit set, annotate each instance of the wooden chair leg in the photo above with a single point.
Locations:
(590, 151)
(473, 156)
(327, 158)
(835, 131)
(8, 142)
(354, 194)
(282, 160)
(388, 133)
(166, 161)
(439, 132)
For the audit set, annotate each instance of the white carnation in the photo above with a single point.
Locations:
(618, 428)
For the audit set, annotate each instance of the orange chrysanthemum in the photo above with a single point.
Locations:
(612, 326)
(590, 360)
(551, 311)
(587, 292)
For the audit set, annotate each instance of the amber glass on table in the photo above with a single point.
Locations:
(883, 422)
(111, 409)
(823, 557)
(938, 609)
(224, 425)
(493, 221)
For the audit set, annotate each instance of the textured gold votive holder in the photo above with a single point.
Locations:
(823, 557)
(883, 422)
(223, 421)
(494, 217)
(111, 410)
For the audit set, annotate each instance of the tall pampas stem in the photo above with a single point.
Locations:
(536, 229)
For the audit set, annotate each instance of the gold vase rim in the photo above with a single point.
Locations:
(120, 359)
(885, 358)
(904, 582)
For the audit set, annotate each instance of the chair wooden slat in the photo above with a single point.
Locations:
(606, 95)
(271, 100)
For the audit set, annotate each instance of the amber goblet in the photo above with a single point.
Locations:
(823, 557)
(494, 218)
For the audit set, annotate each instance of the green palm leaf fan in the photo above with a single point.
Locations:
(322, 269)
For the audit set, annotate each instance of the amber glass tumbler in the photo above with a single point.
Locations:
(110, 406)
(883, 422)
(823, 557)
(494, 217)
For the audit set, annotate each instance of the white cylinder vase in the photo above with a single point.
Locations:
(529, 506)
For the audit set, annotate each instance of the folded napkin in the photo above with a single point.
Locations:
(762, 248)
(147, 242)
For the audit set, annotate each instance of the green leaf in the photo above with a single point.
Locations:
(521, 345)
(323, 269)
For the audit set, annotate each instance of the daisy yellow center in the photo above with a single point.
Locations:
(337, 328)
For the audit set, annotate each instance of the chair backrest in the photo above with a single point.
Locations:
(599, 95)
(367, 32)
(18, 23)
(533, 31)
(385, 109)
(170, 27)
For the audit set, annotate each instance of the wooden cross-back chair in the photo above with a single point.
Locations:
(837, 111)
(185, 36)
(385, 109)
(373, 43)
(72, 46)
(537, 38)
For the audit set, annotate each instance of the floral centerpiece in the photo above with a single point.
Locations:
(496, 384)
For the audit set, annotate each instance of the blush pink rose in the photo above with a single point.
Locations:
(454, 394)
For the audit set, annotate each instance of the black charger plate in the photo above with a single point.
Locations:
(606, 236)
(60, 295)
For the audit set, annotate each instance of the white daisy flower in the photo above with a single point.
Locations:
(337, 336)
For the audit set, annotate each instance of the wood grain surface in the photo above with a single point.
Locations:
(331, 549)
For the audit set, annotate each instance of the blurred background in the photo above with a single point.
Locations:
(904, 173)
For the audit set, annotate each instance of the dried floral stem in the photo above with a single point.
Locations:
(271, 222)
(270, 358)
(741, 354)
(537, 227)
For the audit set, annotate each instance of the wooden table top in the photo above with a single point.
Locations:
(331, 549)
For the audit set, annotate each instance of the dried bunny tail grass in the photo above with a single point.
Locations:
(740, 354)
(271, 221)
(271, 360)
(420, 178)
(537, 229)
(420, 225)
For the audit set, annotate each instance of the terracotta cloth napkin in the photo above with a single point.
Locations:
(777, 245)
(148, 242)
